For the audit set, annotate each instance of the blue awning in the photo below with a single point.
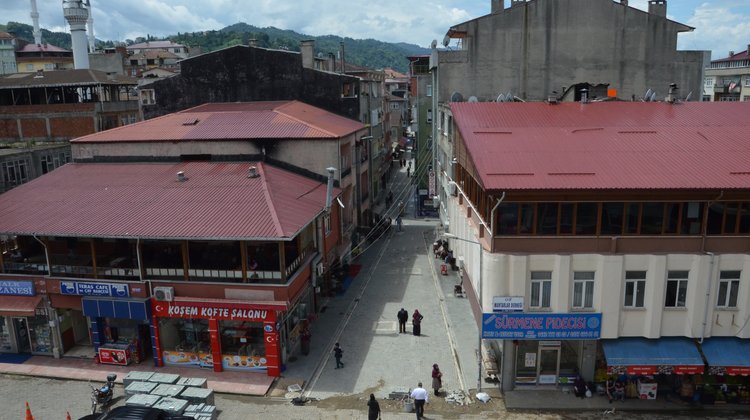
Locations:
(727, 355)
(138, 309)
(636, 355)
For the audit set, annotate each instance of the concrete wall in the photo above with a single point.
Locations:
(538, 47)
(244, 74)
(506, 274)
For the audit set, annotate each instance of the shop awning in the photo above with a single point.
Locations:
(727, 355)
(95, 307)
(643, 356)
(19, 305)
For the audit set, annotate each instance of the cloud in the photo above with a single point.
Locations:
(719, 27)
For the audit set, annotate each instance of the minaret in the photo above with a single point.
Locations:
(35, 19)
(76, 14)
(90, 24)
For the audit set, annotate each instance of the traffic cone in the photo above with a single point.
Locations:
(28, 412)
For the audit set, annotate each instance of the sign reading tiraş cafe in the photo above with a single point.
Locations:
(16, 288)
(209, 310)
(542, 326)
(94, 289)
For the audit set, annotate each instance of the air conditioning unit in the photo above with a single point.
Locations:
(320, 269)
(164, 293)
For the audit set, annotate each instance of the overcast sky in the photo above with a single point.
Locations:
(720, 25)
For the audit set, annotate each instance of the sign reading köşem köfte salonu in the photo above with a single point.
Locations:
(542, 326)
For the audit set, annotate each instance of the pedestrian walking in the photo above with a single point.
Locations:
(408, 172)
(437, 379)
(403, 316)
(338, 353)
(399, 222)
(416, 321)
(420, 399)
(373, 411)
(401, 208)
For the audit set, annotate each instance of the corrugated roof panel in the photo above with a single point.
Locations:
(607, 145)
(218, 200)
(235, 121)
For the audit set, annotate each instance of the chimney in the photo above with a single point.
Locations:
(39, 74)
(252, 172)
(657, 7)
(306, 47)
(624, 2)
(181, 176)
(343, 60)
(496, 6)
(252, 42)
(331, 62)
(672, 90)
(329, 189)
(584, 96)
(731, 53)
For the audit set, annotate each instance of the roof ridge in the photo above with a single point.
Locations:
(288, 103)
(269, 200)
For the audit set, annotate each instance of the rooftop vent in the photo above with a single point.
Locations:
(252, 172)
(672, 90)
(584, 96)
(181, 176)
(39, 74)
(552, 99)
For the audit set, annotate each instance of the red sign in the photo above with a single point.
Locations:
(738, 370)
(113, 356)
(211, 310)
(654, 369)
(688, 370)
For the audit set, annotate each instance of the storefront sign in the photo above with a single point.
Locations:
(547, 379)
(209, 310)
(113, 356)
(507, 304)
(542, 326)
(94, 289)
(16, 288)
(729, 370)
(656, 369)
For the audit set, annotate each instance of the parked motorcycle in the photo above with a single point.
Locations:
(103, 396)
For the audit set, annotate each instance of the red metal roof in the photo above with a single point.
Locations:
(42, 48)
(141, 200)
(607, 145)
(235, 121)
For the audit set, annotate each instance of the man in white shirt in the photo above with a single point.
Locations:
(420, 398)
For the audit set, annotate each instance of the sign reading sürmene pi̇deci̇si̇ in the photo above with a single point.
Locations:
(542, 326)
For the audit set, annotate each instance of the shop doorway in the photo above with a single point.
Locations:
(81, 328)
(22, 335)
(548, 368)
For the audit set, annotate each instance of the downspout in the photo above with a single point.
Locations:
(46, 254)
(138, 256)
(708, 296)
(492, 222)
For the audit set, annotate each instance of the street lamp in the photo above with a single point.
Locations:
(481, 309)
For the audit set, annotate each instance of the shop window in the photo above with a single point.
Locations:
(5, 340)
(40, 334)
(185, 341)
(652, 220)
(612, 218)
(242, 345)
(729, 286)
(676, 295)
(586, 214)
(541, 289)
(635, 289)
(583, 289)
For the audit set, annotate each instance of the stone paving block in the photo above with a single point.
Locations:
(198, 395)
(140, 388)
(164, 378)
(194, 382)
(172, 405)
(201, 411)
(167, 390)
(143, 400)
(136, 376)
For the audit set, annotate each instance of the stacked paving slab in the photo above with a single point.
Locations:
(180, 396)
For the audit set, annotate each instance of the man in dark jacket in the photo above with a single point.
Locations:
(403, 316)
(338, 353)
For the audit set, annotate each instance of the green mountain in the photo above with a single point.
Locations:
(363, 52)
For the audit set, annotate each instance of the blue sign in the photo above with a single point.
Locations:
(16, 288)
(94, 289)
(542, 326)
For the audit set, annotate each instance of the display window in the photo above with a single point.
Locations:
(40, 334)
(185, 342)
(242, 345)
(5, 341)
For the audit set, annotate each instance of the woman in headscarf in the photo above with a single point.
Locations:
(373, 412)
(416, 320)
(437, 378)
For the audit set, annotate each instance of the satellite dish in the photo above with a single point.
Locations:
(473, 99)
(653, 97)
(457, 97)
(433, 45)
(687, 98)
(508, 97)
(500, 98)
(647, 96)
(446, 40)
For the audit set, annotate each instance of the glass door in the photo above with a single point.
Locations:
(548, 368)
(22, 335)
